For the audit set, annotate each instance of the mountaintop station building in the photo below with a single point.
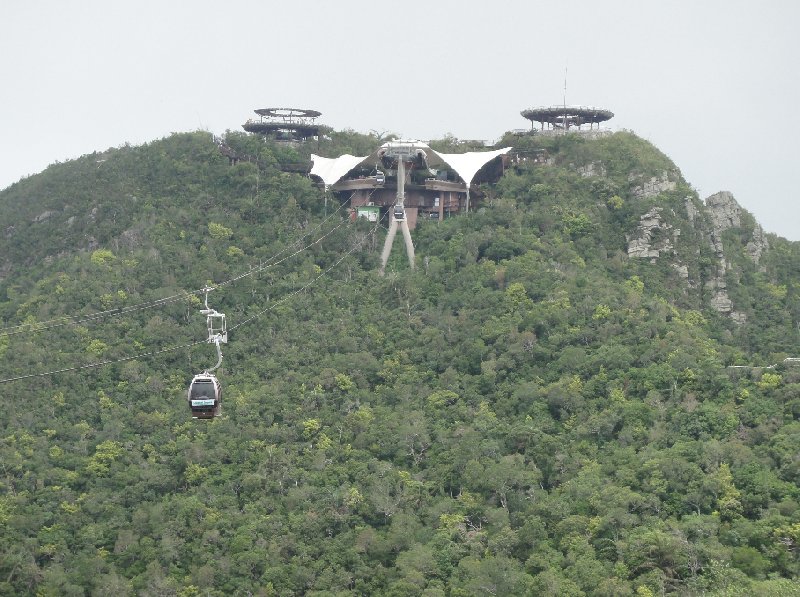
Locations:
(437, 185)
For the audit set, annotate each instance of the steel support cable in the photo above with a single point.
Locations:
(103, 363)
(302, 288)
(191, 344)
(62, 321)
(72, 320)
(269, 265)
(36, 327)
(269, 262)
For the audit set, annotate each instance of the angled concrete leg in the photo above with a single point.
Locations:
(387, 246)
(409, 244)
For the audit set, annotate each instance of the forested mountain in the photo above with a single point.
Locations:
(546, 405)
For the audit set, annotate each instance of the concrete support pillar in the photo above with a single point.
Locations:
(394, 223)
(409, 244)
(387, 246)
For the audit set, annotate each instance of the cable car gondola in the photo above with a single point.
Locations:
(205, 390)
(205, 396)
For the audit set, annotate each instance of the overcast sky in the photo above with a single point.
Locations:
(712, 83)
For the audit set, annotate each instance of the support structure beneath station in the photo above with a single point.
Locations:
(398, 220)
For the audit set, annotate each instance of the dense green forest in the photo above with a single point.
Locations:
(530, 411)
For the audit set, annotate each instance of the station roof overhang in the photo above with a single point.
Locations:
(465, 165)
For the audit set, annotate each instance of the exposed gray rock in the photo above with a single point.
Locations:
(691, 210)
(655, 238)
(738, 317)
(130, 239)
(725, 213)
(683, 271)
(655, 186)
(592, 169)
(642, 243)
(46, 215)
(718, 285)
(757, 244)
(721, 301)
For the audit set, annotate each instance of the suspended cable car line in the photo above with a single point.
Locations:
(55, 323)
(270, 261)
(302, 288)
(269, 265)
(40, 327)
(73, 320)
(190, 344)
(102, 363)
(204, 395)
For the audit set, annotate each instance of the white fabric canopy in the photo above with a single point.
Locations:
(466, 165)
(331, 170)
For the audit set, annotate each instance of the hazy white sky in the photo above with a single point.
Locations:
(712, 83)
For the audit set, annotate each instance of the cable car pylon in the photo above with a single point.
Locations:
(205, 390)
(398, 220)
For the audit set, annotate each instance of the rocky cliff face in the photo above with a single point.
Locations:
(652, 238)
(708, 244)
(654, 185)
(725, 213)
(655, 238)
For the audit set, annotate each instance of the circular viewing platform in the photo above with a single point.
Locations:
(285, 123)
(566, 117)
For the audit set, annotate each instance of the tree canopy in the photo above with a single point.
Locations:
(528, 412)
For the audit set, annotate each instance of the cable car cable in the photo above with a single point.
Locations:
(191, 344)
(102, 363)
(148, 354)
(62, 321)
(53, 323)
(301, 289)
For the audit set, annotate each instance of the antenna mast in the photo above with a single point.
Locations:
(565, 98)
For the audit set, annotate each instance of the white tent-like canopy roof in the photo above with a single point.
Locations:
(331, 170)
(466, 165)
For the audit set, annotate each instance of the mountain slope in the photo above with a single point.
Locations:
(536, 409)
